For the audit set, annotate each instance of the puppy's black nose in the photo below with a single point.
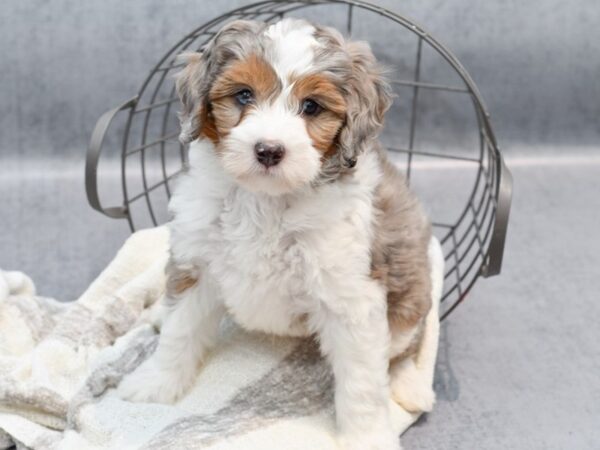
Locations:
(269, 153)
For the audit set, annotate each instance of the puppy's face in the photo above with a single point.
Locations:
(273, 134)
(284, 104)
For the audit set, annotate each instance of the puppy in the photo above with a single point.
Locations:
(292, 220)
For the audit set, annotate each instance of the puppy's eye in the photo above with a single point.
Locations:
(310, 107)
(244, 97)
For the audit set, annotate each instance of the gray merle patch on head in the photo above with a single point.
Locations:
(233, 41)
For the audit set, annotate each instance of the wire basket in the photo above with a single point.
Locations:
(438, 131)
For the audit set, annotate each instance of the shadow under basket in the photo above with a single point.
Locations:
(438, 132)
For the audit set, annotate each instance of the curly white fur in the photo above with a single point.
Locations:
(282, 254)
(267, 281)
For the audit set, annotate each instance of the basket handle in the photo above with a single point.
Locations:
(493, 263)
(92, 157)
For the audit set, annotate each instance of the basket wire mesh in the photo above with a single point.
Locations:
(472, 236)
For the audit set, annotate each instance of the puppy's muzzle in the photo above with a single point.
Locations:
(269, 153)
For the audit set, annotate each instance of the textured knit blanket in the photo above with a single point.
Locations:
(59, 363)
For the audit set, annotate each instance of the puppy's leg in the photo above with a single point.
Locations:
(410, 388)
(188, 331)
(354, 336)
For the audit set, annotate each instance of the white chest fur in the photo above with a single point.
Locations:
(275, 259)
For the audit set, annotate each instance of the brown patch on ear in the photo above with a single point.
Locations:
(208, 127)
(323, 128)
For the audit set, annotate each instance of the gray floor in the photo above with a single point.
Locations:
(519, 363)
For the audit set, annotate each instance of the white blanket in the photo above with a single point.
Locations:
(59, 363)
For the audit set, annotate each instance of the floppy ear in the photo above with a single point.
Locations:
(192, 87)
(369, 96)
(193, 83)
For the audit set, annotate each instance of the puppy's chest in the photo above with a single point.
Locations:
(268, 269)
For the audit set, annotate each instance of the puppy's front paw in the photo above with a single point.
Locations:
(414, 400)
(410, 389)
(373, 440)
(155, 384)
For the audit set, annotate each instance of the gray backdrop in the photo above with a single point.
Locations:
(519, 361)
(64, 62)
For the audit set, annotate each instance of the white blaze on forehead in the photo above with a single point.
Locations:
(293, 44)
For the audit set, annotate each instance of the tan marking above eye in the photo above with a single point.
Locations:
(323, 127)
(252, 73)
(322, 90)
